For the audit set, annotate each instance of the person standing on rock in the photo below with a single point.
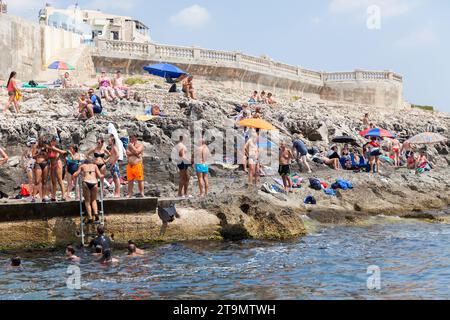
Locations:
(41, 169)
(183, 165)
(374, 154)
(135, 167)
(13, 93)
(252, 151)
(73, 164)
(396, 148)
(113, 162)
(285, 159)
(3, 157)
(100, 155)
(365, 121)
(201, 168)
(301, 152)
(56, 168)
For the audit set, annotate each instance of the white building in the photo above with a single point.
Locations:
(95, 24)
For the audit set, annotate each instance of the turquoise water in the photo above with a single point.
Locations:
(413, 258)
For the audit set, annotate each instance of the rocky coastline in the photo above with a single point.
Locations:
(243, 212)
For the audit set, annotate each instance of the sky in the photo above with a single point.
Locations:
(409, 37)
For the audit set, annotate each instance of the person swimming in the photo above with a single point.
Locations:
(133, 250)
(70, 254)
(16, 262)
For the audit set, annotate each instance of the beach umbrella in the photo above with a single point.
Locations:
(427, 138)
(165, 70)
(377, 132)
(344, 139)
(256, 124)
(60, 65)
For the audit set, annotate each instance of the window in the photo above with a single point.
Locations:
(114, 35)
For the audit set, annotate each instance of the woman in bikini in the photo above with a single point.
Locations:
(73, 164)
(40, 170)
(101, 155)
(91, 175)
(56, 168)
(396, 147)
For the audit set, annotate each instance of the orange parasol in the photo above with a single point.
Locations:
(256, 124)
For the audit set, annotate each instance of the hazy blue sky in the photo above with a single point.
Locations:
(329, 35)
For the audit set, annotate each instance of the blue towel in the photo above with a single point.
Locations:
(330, 192)
(344, 184)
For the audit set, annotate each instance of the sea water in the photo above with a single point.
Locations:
(389, 259)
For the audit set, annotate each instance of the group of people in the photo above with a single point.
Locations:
(264, 98)
(46, 164)
(101, 247)
(114, 89)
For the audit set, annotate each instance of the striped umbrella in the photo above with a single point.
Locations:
(377, 132)
(427, 138)
(60, 65)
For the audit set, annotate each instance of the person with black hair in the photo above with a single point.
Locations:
(91, 175)
(70, 253)
(16, 262)
(138, 251)
(13, 93)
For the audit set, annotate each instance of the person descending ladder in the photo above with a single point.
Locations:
(90, 181)
(88, 226)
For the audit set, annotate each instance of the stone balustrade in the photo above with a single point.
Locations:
(168, 53)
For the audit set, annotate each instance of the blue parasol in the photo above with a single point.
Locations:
(165, 70)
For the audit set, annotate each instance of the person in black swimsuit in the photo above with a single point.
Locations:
(41, 169)
(91, 175)
(100, 154)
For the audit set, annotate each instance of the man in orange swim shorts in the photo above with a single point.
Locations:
(135, 167)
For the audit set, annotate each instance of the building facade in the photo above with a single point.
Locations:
(94, 24)
(3, 7)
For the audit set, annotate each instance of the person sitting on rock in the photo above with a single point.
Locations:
(106, 89)
(85, 107)
(120, 88)
(188, 87)
(263, 98)
(411, 161)
(321, 158)
(96, 102)
(270, 99)
(67, 81)
(254, 98)
(258, 113)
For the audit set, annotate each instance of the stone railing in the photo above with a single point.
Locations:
(194, 55)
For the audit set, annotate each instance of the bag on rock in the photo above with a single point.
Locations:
(315, 184)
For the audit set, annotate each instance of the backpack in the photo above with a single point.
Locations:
(315, 184)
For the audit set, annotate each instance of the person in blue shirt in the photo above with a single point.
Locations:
(96, 102)
(301, 151)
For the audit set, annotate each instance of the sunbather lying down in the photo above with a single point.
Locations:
(332, 163)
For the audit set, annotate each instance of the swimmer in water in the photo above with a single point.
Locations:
(70, 254)
(16, 262)
(132, 251)
(107, 258)
(138, 251)
(98, 251)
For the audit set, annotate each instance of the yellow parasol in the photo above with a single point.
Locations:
(256, 124)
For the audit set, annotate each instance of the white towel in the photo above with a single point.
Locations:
(122, 152)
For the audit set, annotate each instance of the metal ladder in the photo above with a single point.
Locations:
(88, 230)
